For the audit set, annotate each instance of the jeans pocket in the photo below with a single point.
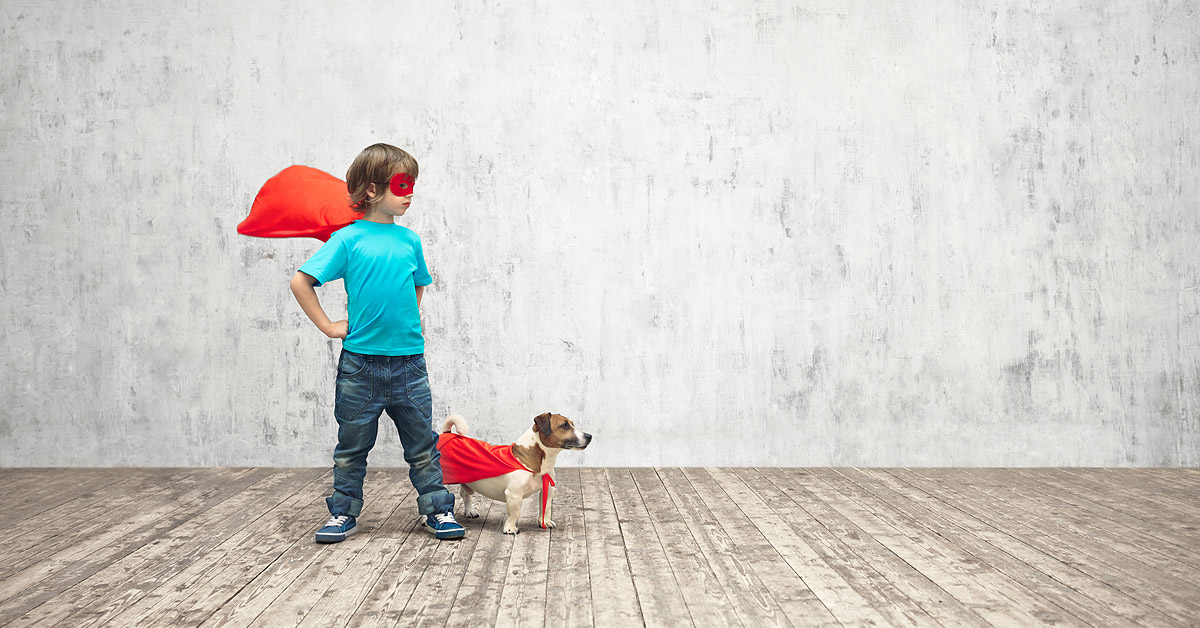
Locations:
(418, 364)
(351, 364)
(419, 395)
(353, 389)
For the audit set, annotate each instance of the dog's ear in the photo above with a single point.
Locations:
(542, 422)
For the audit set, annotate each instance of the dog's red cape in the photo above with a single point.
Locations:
(466, 459)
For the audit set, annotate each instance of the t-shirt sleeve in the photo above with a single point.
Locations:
(329, 262)
(421, 276)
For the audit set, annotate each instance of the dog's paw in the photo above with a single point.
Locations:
(510, 530)
(472, 514)
(547, 524)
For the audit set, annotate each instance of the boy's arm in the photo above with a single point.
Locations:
(306, 296)
(420, 293)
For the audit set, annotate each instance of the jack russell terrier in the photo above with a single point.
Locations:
(507, 473)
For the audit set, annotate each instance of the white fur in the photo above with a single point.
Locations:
(457, 422)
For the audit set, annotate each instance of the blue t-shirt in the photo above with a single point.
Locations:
(382, 264)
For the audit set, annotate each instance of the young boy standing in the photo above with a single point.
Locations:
(382, 364)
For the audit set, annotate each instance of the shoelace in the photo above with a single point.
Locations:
(444, 517)
(337, 521)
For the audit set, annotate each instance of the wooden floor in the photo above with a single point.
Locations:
(657, 547)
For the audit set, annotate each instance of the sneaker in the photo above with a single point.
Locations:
(444, 526)
(336, 529)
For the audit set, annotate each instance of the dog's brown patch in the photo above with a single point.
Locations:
(531, 456)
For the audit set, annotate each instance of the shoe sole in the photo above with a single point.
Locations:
(446, 534)
(334, 538)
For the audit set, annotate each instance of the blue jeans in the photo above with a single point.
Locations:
(368, 385)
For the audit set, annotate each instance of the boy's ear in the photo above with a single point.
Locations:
(371, 190)
(542, 422)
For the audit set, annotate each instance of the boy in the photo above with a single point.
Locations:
(382, 364)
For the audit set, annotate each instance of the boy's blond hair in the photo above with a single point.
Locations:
(377, 164)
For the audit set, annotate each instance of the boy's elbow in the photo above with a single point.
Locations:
(302, 280)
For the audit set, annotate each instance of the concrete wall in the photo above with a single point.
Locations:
(770, 233)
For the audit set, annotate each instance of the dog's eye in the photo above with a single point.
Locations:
(563, 426)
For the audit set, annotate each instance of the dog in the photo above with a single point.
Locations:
(507, 473)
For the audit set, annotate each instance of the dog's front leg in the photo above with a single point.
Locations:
(513, 499)
(469, 510)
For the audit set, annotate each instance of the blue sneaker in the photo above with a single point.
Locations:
(336, 529)
(444, 526)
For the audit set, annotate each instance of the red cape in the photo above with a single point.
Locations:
(466, 459)
(299, 202)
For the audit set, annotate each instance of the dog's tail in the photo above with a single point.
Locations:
(457, 422)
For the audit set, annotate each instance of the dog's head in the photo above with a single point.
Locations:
(556, 430)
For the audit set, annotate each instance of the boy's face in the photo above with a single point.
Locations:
(391, 203)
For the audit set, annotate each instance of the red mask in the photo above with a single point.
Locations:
(402, 184)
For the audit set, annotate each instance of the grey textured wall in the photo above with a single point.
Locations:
(771, 233)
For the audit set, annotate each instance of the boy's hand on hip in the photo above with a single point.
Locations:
(338, 329)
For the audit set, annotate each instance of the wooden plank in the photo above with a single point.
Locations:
(1027, 555)
(1032, 593)
(794, 501)
(760, 539)
(32, 483)
(477, 601)
(1174, 480)
(182, 547)
(658, 590)
(608, 565)
(345, 602)
(396, 537)
(245, 605)
(568, 586)
(391, 503)
(42, 490)
(432, 599)
(978, 547)
(47, 579)
(1019, 574)
(777, 596)
(1094, 498)
(1102, 554)
(127, 579)
(1169, 483)
(701, 589)
(62, 528)
(1161, 529)
(1140, 490)
(1118, 539)
(882, 594)
(41, 482)
(1157, 510)
(428, 603)
(1181, 483)
(523, 598)
(725, 575)
(966, 581)
(190, 596)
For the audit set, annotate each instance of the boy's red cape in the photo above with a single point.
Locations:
(466, 459)
(299, 202)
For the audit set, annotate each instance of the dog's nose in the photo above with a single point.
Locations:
(587, 437)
